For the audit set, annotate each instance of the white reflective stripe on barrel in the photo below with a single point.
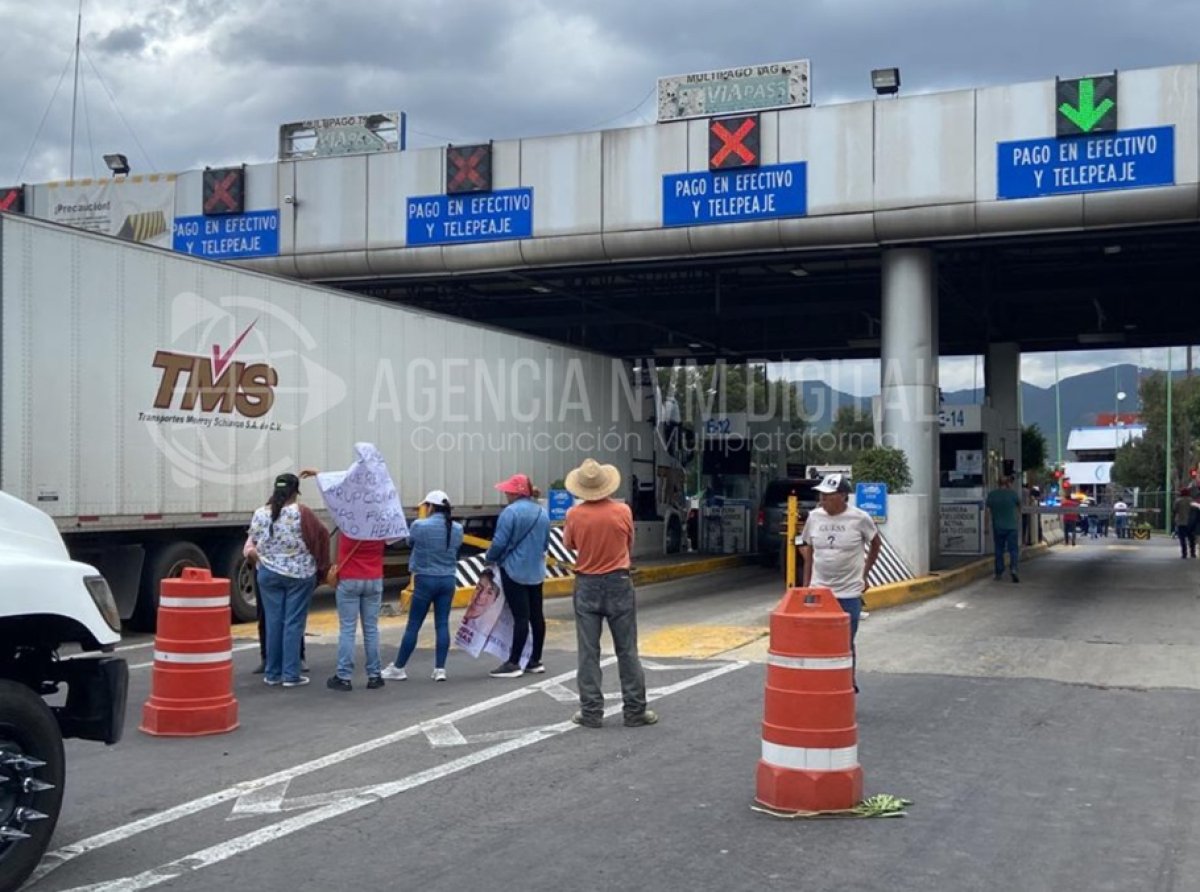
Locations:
(216, 656)
(223, 601)
(810, 662)
(802, 758)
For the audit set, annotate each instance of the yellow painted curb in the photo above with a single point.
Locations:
(563, 587)
(926, 587)
(697, 642)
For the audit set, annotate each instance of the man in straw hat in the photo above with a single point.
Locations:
(600, 530)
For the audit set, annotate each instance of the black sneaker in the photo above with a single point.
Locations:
(339, 684)
(507, 670)
(374, 682)
(535, 668)
(587, 721)
(1016, 578)
(996, 577)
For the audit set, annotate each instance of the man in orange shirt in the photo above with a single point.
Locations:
(600, 530)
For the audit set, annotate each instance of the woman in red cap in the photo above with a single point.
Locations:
(519, 548)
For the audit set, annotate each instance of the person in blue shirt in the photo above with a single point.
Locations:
(519, 547)
(435, 541)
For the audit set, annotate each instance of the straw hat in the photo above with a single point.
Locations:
(592, 481)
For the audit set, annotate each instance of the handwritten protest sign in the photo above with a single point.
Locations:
(487, 625)
(363, 500)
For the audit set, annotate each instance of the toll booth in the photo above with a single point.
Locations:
(970, 465)
(726, 467)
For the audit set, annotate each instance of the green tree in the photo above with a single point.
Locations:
(883, 464)
(1141, 462)
(1033, 452)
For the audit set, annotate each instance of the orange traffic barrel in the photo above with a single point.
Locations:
(191, 690)
(809, 733)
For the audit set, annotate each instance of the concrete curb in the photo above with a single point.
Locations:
(926, 587)
(562, 588)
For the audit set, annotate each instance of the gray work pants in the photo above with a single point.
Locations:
(608, 597)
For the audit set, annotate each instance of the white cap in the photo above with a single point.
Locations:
(833, 483)
(436, 497)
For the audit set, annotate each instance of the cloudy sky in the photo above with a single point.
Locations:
(183, 84)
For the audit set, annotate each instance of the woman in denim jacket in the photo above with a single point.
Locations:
(435, 541)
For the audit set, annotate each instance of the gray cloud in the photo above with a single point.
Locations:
(128, 40)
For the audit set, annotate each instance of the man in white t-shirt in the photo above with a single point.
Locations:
(1121, 517)
(839, 546)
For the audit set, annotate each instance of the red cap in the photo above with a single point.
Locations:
(517, 485)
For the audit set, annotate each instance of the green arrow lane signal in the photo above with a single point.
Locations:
(1076, 110)
(1088, 115)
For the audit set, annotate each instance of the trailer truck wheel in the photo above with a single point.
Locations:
(31, 781)
(167, 560)
(229, 563)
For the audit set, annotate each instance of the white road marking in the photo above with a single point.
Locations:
(352, 800)
(61, 856)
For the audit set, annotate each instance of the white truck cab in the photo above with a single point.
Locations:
(48, 601)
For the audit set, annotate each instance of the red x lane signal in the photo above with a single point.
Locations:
(224, 191)
(12, 199)
(733, 142)
(468, 169)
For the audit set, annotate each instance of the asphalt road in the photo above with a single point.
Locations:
(1047, 733)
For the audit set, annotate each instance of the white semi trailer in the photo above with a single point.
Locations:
(148, 399)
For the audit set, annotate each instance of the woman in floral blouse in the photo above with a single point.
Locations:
(291, 546)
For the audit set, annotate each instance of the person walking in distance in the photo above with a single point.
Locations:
(600, 531)
(1004, 505)
(839, 547)
(1121, 518)
(1183, 524)
(519, 548)
(435, 541)
(1070, 519)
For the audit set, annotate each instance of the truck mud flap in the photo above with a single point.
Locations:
(97, 690)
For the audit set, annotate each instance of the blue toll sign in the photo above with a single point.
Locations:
(558, 503)
(229, 237)
(872, 498)
(696, 199)
(460, 219)
(1127, 159)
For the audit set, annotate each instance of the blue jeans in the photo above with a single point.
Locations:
(438, 591)
(285, 613)
(358, 598)
(853, 609)
(1006, 540)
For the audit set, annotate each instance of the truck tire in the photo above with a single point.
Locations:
(31, 781)
(229, 563)
(167, 560)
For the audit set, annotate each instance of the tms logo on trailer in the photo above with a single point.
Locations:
(218, 383)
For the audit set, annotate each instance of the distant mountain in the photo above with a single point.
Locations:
(1083, 398)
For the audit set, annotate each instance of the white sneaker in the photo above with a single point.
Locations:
(392, 672)
(439, 675)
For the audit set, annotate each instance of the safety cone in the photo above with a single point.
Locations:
(809, 734)
(191, 690)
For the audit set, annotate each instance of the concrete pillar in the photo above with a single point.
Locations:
(909, 371)
(1002, 380)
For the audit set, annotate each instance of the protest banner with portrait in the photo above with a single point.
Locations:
(487, 625)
